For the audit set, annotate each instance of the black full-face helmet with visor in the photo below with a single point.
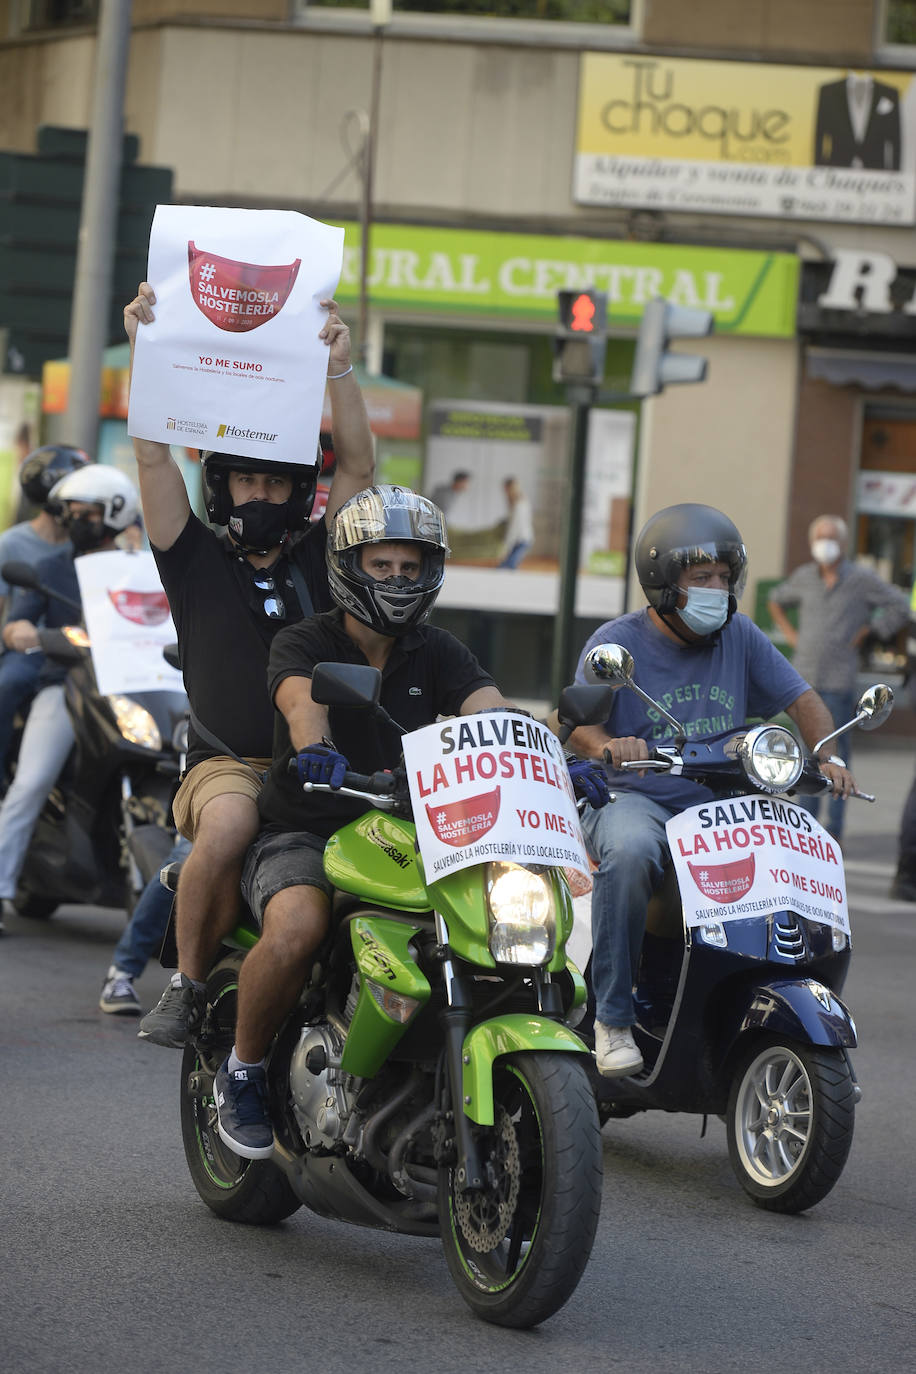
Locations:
(386, 515)
(685, 536)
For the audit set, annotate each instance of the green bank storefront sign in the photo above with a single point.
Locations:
(517, 276)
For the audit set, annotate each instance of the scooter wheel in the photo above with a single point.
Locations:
(790, 1119)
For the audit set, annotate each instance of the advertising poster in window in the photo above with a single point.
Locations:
(746, 138)
(500, 474)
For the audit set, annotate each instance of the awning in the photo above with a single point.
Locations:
(873, 371)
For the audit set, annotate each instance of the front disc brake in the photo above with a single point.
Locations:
(485, 1214)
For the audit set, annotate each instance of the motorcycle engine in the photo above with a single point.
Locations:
(321, 1102)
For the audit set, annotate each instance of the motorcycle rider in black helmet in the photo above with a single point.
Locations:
(386, 556)
(229, 594)
(31, 541)
(712, 668)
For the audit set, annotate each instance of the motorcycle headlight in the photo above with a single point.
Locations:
(135, 722)
(523, 918)
(772, 757)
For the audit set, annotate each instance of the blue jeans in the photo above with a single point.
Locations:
(841, 706)
(144, 931)
(46, 741)
(628, 842)
(18, 683)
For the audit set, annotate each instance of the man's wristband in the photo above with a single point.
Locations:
(336, 376)
(834, 759)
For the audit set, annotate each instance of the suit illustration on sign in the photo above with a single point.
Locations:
(858, 125)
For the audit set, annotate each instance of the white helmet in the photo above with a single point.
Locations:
(105, 486)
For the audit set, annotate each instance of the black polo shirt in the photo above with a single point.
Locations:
(429, 673)
(224, 633)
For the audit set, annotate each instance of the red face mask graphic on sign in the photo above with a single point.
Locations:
(143, 608)
(460, 822)
(724, 882)
(238, 296)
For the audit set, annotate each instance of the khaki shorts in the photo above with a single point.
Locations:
(211, 778)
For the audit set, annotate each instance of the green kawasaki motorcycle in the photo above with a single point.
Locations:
(424, 1084)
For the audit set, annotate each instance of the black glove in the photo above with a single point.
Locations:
(321, 763)
(589, 782)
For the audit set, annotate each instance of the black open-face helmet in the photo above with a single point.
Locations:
(45, 467)
(374, 516)
(217, 467)
(679, 537)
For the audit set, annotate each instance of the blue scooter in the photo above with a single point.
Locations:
(742, 1018)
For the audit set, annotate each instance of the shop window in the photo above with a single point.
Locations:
(564, 11)
(899, 22)
(53, 14)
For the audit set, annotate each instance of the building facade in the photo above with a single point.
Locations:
(757, 160)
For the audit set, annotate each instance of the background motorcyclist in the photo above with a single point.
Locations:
(386, 557)
(711, 668)
(229, 595)
(95, 503)
(31, 541)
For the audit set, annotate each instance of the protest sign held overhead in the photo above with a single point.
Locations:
(233, 360)
(492, 786)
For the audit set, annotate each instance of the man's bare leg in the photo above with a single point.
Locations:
(295, 922)
(208, 889)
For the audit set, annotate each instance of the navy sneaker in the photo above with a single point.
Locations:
(241, 1110)
(176, 1015)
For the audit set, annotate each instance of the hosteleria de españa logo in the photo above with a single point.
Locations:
(238, 296)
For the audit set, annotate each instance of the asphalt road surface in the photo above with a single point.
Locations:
(110, 1262)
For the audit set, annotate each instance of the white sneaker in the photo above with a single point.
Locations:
(616, 1054)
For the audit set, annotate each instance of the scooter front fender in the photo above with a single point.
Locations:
(803, 1009)
(499, 1036)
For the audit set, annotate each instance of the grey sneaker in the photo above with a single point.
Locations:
(176, 1015)
(118, 994)
(616, 1053)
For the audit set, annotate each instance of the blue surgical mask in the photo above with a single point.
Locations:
(706, 610)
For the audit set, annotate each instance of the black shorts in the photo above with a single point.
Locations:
(281, 859)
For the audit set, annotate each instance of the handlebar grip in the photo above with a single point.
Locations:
(381, 783)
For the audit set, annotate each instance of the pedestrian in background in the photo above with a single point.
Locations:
(520, 526)
(840, 604)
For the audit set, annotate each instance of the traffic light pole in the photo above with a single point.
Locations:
(96, 251)
(580, 400)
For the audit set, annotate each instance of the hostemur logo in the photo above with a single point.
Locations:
(233, 432)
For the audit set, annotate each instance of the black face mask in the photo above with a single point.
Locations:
(86, 533)
(259, 525)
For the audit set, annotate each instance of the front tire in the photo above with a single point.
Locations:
(517, 1248)
(248, 1190)
(790, 1119)
(32, 907)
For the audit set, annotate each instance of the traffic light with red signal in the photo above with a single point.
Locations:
(580, 341)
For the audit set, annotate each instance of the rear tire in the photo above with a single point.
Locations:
(517, 1248)
(33, 907)
(247, 1190)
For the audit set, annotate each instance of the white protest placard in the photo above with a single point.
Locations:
(751, 855)
(233, 360)
(128, 620)
(492, 786)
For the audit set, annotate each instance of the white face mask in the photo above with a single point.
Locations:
(825, 551)
(706, 610)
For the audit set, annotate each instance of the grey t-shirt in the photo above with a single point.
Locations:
(710, 688)
(830, 617)
(20, 544)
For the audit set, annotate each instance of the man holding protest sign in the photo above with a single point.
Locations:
(229, 595)
(713, 669)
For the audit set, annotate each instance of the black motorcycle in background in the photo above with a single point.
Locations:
(106, 827)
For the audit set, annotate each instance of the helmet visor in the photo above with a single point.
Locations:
(732, 553)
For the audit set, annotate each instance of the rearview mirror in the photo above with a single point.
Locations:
(346, 684)
(874, 706)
